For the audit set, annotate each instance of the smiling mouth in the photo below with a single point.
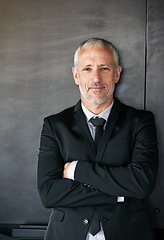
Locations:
(96, 87)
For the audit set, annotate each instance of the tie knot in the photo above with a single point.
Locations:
(98, 121)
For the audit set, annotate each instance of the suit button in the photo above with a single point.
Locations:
(85, 221)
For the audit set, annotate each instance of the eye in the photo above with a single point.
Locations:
(87, 69)
(105, 69)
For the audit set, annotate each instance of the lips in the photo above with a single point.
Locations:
(96, 87)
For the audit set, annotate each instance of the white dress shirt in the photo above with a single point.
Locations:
(71, 170)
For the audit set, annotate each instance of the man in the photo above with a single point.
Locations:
(97, 189)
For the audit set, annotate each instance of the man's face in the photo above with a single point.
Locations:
(96, 74)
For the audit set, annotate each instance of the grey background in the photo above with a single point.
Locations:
(37, 42)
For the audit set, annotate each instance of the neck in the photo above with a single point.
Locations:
(97, 108)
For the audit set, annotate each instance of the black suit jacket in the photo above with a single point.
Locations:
(125, 165)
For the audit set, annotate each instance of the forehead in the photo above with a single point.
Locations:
(101, 54)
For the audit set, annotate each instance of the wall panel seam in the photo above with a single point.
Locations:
(146, 52)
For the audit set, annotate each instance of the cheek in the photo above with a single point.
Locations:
(83, 83)
(110, 87)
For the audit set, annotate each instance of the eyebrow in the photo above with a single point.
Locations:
(101, 65)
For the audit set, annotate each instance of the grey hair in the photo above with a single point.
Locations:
(97, 42)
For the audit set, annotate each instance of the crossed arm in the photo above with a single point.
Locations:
(135, 180)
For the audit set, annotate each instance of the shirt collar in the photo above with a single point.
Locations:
(104, 114)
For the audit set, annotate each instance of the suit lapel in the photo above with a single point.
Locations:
(81, 125)
(111, 122)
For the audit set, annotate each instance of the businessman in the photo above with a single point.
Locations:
(98, 159)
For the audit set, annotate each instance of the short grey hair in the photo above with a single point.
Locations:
(97, 42)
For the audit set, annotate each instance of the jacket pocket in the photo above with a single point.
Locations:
(139, 215)
(57, 215)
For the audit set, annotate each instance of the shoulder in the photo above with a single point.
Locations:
(65, 115)
(59, 118)
(129, 112)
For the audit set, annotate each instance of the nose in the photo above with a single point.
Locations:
(96, 77)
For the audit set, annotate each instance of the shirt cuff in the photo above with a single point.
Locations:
(120, 199)
(71, 169)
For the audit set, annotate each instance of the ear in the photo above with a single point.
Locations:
(75, 75)
(118, 73)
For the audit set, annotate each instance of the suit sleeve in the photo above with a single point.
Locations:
(136, 179)
(53, 189)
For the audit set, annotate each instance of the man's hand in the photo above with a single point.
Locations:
(65, 172)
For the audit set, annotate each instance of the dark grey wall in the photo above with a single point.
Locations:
(155, 96)
(37, 42)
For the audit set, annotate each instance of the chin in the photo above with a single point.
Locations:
(97, 101)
